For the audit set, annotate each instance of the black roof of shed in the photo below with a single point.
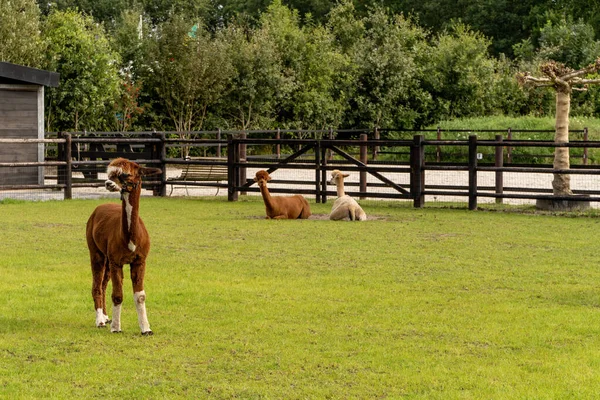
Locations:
(19, 74)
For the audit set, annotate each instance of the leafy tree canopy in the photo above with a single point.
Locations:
(20, 41)
(89, 82)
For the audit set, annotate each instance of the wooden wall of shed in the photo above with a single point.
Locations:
(20, 118)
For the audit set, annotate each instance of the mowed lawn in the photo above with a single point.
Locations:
(416, 304)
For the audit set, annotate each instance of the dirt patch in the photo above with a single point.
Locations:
(325, 217)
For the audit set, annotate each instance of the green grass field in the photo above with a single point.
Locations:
(416, 303)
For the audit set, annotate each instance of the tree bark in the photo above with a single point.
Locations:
(561, 184)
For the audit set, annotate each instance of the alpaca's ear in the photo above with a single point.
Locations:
(143, 171)
(268, 178)
(345, 175)
(255, 180)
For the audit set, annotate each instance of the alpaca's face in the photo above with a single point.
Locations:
(124, 175)
(337, 176)
(262, 177)
(121, 173)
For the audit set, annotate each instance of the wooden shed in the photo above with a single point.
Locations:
(22, 117)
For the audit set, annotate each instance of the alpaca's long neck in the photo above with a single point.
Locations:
(130, 217)
(340, 188)
(266, 195)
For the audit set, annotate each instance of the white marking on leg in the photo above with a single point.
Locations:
(115, 326)
(100, 318)
(140, 307)
(131, 246)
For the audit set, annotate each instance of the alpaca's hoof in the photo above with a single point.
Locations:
(101, 325)
(147, 333)
(119, 331)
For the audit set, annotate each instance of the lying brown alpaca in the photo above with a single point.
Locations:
(116, 235)
(280, 207)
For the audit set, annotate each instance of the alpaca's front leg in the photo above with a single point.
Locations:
(138, 270)
(140, 307)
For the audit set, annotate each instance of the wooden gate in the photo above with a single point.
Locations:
(321, 156)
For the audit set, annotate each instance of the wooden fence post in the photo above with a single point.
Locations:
(585, 149)
(376, 148)
(232, 155)
(69, 168)
(318, 170)
(329, 152)
(60, 171)
(242, 151)
(363, 159)
(219, 144)
(324, 152)
(417, 175)
(438, 150)
(509, 149)
(473, 172)
(499, 174)
(278, 145)
(162, 154)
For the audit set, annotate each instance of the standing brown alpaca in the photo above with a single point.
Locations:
(116, 235)
(279, 207)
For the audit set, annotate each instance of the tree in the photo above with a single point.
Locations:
(317, 9)
(189, 73)
(345, 25)
(387, 88)
(311, 65)
(130, 39)
(126, 107)
(587, 11)
(162, 10)
(20, 41)
(319, 99)
(109, 11)
(567, 42)
(89, 79)
(563, 80)
(460, 73)
(257, 84)
(570, 43)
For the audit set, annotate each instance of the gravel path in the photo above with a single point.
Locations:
(455, 178)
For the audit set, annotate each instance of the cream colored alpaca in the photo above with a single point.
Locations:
(344, 207)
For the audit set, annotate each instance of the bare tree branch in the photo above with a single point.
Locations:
(584, 71)
(590, 81)
(538, 80)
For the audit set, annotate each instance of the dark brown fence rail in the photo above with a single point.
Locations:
(387, 168)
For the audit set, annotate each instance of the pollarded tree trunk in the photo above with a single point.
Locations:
(563, 80)
(561, 185)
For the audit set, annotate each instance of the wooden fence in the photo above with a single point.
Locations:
(399, 166)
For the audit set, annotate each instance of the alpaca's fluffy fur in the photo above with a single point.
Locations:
(281, 207)
(344, 207)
